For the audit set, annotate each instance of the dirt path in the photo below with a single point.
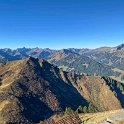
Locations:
(115, 118)
(102, 117)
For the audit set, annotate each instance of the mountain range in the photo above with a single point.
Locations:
(104, 61)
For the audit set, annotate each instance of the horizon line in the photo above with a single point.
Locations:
(21, 47)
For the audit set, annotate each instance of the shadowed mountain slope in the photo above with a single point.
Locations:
(32, 90)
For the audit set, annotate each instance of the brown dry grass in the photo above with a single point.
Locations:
(3, 103)
(121, 122)
(9, 72)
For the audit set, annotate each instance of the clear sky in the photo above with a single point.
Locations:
(60, 24)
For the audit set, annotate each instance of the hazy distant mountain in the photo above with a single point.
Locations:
(109, 56)
(21, 53)
(32, 90)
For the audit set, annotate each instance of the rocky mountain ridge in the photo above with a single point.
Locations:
(32, 90)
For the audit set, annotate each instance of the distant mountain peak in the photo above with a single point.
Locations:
(120, 47)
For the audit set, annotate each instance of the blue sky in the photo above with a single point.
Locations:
(60, 24)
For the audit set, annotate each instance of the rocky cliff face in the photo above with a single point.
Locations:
(32, 90)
